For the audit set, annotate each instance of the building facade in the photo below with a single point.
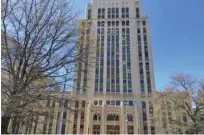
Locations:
(117, 84)
(113, 86)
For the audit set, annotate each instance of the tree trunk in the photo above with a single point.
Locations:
(4, 124)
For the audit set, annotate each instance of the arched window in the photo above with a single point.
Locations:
(127, 23)
(143, 23)
(123, 23)
(117, 23)
(97, 116)
(99, 23)
(113, 117)
(113, 23)
(102, 23)
(109, 23)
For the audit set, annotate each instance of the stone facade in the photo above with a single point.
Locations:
(111, 92)
(120, 80)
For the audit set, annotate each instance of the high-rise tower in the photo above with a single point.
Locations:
(117, 85)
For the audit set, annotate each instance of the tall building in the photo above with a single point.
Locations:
(113, 85)
(118, 84)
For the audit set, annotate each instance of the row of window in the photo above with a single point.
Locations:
(96, 129)
(113, 23)
(101, 13)
(140, 41)
(113, 129)
(112, 117)
(114, 102)
(123, 23)
(143, 23)
(114, 13)
(144, 31)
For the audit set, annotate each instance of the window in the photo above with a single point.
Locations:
(97, 116)
(130, 103)
(117, 103)
(99, 13)
(100, 102)
(127, 23)
(144, 30)
(145, 129)
(129, 117)
(130, 129)
(117, 23)
(113, 23)
(137, 13)
(102, 24)
(142, 88)
(152, 130)
(138, 31)
(82, 116)
(89, 13)
(147, 66)
(145, 39)
(117, 13)
(143, 106)
(113, 12)
(123, 23)
(103, 13)
(139, 39)
(99, 23)
(149, 88)
(95, 102)
(113, 117)
(127, 12)
(63, 129)
(123, 12)
(146, 54)
(96, 129)
(127, 103)
(112, 102)
(137, 9)
(143, 23)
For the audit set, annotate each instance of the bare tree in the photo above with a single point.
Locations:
(181, 104)
(39, 42)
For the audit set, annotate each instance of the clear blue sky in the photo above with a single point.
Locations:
(177, 36)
